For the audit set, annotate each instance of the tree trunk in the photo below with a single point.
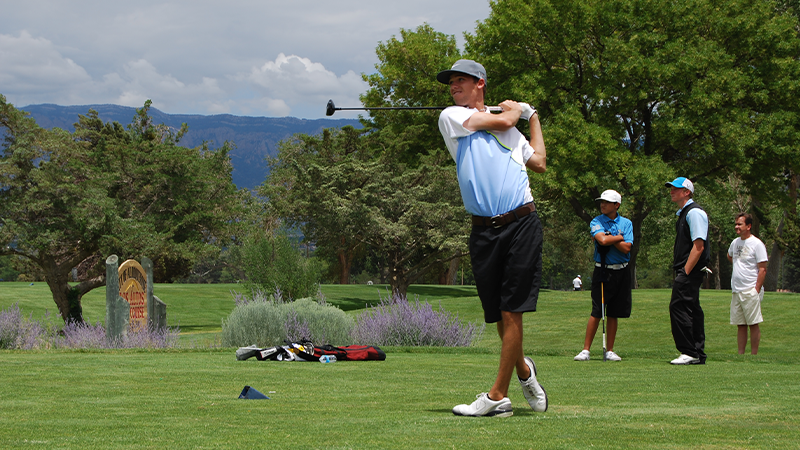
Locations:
(345, 261)
(637, 219)
(67, 298)
(455, 263)
(398, 282)
(774, 265)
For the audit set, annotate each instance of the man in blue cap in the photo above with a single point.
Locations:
(505, 245)
(690, 257)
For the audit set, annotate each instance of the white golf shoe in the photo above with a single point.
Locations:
(685, 359)
(533, 391)
(582, 356)
(611, 356)
(483, 406)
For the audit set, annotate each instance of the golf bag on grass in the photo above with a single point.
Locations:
(306, 351)
(351, 352)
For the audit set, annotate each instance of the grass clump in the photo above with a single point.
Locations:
(397, 321)
(269, 321)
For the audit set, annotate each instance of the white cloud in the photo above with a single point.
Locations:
(302, 80)
(251, 57)
(33, 66)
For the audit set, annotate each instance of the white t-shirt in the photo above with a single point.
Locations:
(746, 254)
(576, 283)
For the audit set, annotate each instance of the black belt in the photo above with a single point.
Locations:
(502, 220)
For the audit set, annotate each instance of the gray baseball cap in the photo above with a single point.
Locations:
(466, 66)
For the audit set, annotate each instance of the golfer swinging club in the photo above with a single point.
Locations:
(506, 240)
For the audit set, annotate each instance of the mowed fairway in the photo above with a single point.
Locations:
(187, 398)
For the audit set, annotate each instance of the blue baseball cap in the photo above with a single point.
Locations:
(681, 183)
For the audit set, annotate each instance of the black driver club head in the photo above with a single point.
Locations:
(330, 108)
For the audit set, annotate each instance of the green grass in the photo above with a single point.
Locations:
(187, 398)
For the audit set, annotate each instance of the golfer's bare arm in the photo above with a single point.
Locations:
(694, 255)
(507, 119)
(538, 161)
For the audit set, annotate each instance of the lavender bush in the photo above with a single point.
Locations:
(397, 321)
(17, 332)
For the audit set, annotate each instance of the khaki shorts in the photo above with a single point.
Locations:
(746, 307)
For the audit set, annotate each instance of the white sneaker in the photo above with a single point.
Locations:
(611, 356)
(685, 359)
(582, 356)
(533, 391)
(484, 406)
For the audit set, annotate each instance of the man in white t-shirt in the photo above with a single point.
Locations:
(577, 284)
(749, 257)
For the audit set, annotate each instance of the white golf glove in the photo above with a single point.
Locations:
(527, 111)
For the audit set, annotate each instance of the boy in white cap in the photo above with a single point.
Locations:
(611, 280)
(491, 156)
(690, 256)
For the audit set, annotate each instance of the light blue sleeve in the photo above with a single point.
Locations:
(595, 227)
(698, 224)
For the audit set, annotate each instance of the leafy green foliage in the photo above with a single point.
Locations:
(275, 261)
(633, 92)
(69, 200)
(347, 190)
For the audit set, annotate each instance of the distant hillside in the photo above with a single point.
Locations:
(255, 137)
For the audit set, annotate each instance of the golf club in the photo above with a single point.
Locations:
(603, 307)
(331, 108)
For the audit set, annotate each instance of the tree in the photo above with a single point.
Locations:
(347, 188)
(69, 200)
(634, 92)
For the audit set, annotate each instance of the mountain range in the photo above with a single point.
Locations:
(255, 138)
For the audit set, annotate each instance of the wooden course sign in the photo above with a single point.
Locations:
(133, 288)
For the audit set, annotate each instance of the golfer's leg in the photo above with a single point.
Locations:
(591, 330)
(511, 355)
(741, 338)
(611, 331)
(755, 338)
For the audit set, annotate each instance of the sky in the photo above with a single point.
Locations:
(249, 58)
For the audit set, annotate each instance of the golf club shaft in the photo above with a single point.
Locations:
(331, 108)
(603, 307)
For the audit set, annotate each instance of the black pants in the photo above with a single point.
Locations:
(686, 315)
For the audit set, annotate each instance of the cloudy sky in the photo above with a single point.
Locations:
(250, 57)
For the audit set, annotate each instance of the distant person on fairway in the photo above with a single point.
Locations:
(611, 284)
(577, 284)
(749, 257)
(690, 257)
(506, 240)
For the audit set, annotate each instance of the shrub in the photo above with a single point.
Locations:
(16, 332)
(276, 260)
(268, 321)
(396, 321)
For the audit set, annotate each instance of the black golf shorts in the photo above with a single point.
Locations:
(507, 264)
(616, 292)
